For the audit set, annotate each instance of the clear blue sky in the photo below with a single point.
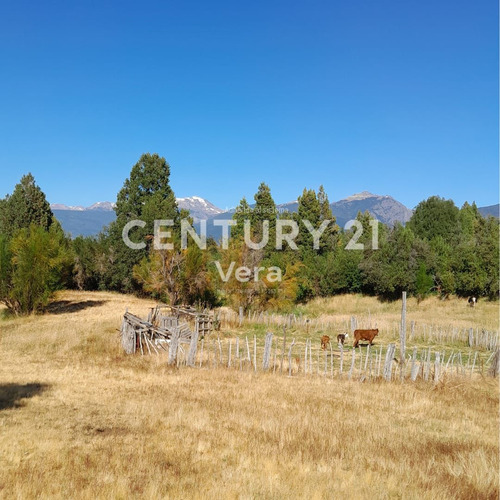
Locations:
(394, 97)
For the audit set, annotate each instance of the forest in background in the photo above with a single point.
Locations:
(442, 250)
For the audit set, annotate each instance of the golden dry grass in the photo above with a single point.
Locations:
(431, 311)
(94, 422)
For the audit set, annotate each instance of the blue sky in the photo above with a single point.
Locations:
(393, 97)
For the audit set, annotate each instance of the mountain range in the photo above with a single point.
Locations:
(89, 221)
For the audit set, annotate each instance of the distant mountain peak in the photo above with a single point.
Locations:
(363, 196)
(100, 205)
(198, 207)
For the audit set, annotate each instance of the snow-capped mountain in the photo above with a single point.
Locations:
(199, 208)
(100, 205)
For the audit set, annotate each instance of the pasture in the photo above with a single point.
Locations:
(79, 418)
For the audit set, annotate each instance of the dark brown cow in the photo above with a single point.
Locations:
(364, 335)
(325, 340)
(341, 338)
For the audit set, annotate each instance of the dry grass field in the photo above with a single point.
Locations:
(80, 419)
(431, 311)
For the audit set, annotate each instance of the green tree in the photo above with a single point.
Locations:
(264, 210)
(436, 217)
(424, 282)
(39, 264)
(241, 213)
(27, 205)
(146, 196)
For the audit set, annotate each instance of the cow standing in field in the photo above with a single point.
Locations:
(364, 335)
(472, 301)
(341, 338)
(325, 340)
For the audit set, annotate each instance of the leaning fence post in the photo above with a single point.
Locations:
(495, 365)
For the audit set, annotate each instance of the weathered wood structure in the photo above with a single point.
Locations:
(166, 328)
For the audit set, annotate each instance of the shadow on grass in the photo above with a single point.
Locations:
(67, 306)
(11, 395)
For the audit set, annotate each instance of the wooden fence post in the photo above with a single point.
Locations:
(201, 351)
(352, 363)
(193, 346)
(437, 368)
(174, 343)
(495, 365)
(389, 357)
(267, 351)
(414, 368)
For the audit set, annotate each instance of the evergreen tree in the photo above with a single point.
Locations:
(241, 213)
(27, 205)
(146, 196)
(264, 210)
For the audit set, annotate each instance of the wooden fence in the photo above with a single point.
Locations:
(306, 358)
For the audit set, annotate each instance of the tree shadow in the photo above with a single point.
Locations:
(68, 306)
(12, 395)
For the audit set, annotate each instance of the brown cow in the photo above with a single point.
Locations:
(364, 335)
(325, 340)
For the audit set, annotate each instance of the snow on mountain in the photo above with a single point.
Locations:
(100, 205)
(199, 208)
(60, 206)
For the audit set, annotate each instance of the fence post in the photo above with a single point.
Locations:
(174, 342)
(193, 346)
(388, 361)
(414, 367)
(241, 315)
(352, 363)
(437, 368)
(267, 351)
(495, 365)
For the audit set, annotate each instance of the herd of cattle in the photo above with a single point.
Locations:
(358, 335)
(368, 335)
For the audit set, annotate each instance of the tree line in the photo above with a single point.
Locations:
(442, 250)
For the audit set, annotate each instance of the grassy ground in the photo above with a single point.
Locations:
(78, 418)
(431, 311)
